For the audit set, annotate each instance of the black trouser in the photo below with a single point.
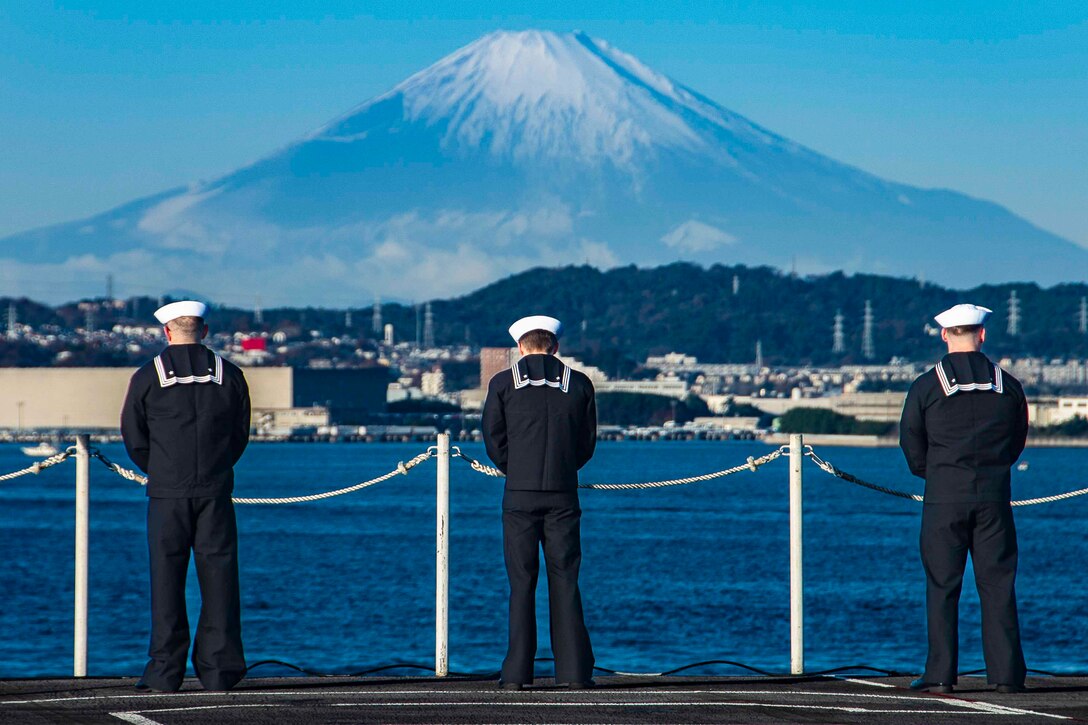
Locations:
(207, 527)
(531, 519)
(987, 531)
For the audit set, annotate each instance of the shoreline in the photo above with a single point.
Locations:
(773, 439)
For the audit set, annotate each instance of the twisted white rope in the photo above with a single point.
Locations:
(118, 469)
(401, 469)
(1049, 499)
(750, 465)
(39, 466)
(829, 468)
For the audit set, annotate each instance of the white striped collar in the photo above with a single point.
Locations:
(522, 380)
(951, 387)
(167, 379)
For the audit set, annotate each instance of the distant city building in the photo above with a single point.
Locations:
(1069, 408)
(433, 383)
(402, 390)
(660, 362)
(670, 387)
(726, 423)
(882, 407)
(388, 337)
(89, 398)
(595, 374)
(285, 421)
(494, 360)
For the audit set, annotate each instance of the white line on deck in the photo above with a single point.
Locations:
(870, 683)
(134, 718)
(668, 703)
(1002, 709)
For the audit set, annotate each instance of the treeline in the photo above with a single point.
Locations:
(824, 421)
(639, 409)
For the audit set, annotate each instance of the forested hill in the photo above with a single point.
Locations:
(691, 309)
(617, 317)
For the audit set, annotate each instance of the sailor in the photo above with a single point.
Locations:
(540, 427)
(185, 423)
(964, 425)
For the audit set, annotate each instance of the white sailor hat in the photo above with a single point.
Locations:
(963, 315)
(535, 322)
(185, 308)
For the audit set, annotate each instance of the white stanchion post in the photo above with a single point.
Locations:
(442, 567)
(797, 589)
(83, 505)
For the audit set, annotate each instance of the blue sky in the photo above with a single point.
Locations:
(103, 102)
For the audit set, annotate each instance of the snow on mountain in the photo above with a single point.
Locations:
(523, 149)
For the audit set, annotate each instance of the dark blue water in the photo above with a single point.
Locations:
(669, 577)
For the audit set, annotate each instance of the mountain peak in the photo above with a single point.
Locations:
(534, 94)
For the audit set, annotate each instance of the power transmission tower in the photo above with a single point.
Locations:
(759, 355)
(376, 325)
(868, 351)
(109, 287)
(736, 284)
(838, 339)
(12, 320)
(1014, 314)
(1082, 316)
(428, 327)
(347, 319)
(258, 313)
(419, 324)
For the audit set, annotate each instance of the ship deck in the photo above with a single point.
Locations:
(308, 700)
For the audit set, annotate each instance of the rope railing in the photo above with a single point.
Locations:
(752, 464)
(401, 470)
(39, 466)
(829, 468)
(118, 469)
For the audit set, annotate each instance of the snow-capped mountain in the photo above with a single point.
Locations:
(524, 149)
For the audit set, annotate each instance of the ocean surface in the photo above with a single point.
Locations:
(669, 576)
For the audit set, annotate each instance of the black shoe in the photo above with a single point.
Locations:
(588, 684)
(510, 685)
(1010, 689)
(921, 685)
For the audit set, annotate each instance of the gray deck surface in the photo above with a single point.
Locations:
(310, 701)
